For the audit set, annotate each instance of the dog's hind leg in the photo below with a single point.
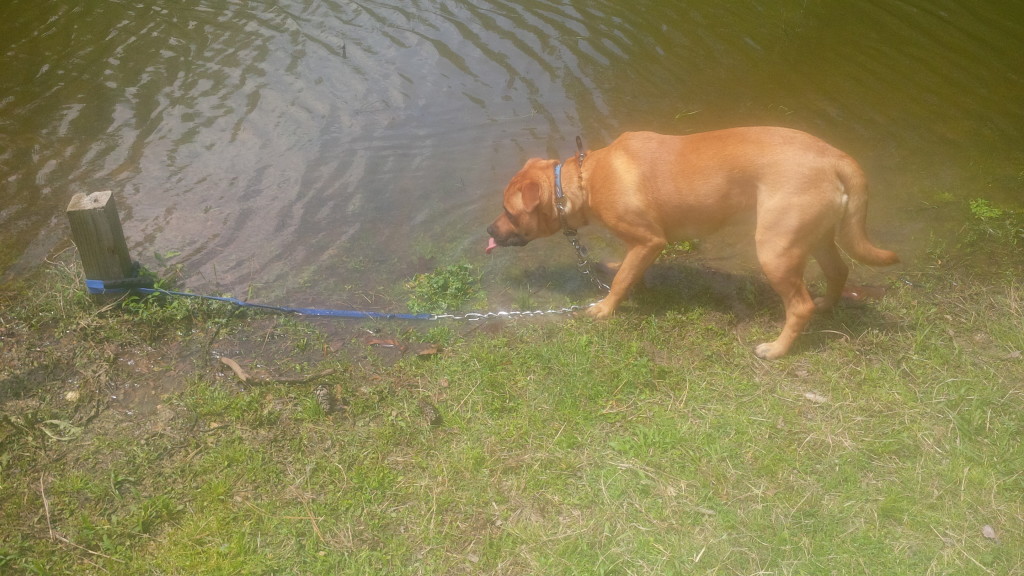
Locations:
(784, 267)
(826, 254)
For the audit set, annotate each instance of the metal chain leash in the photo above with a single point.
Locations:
(583, 261)
(473, 316)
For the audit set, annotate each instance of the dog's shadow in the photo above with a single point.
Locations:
(667, 286)
(682, 285)
(677, 285)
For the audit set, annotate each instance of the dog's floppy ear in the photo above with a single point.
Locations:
(529, 192)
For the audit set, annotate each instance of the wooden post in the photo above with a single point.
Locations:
(96, 231)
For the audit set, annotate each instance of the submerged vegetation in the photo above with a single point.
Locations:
(443, 290)
(155, 436)
(999, 224)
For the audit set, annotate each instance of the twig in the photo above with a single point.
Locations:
(46, 505)
(245, 377)
(278, 516)
(316, 525)
(475, 386)
(56, 536)
(842, 335)
(309, 516)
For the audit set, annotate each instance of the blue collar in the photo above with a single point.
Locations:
(559, 194)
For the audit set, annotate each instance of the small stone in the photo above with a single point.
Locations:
(816, 398)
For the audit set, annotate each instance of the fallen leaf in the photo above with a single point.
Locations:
(429, 350)
(234, 368)
(63, 430)
(989, 532)
(1014, 355)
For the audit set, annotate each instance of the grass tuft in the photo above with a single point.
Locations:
(443, 290)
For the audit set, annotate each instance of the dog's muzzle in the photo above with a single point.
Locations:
(505, 240)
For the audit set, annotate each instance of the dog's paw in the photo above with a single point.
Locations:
(600, 310)
(769, 351)
(823, 304)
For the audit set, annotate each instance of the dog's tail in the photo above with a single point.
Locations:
(853, 236)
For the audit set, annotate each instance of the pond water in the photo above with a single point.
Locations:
(328, 150)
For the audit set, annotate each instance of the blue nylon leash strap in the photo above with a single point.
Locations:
(143, 286)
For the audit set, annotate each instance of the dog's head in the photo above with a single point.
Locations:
(529, 210)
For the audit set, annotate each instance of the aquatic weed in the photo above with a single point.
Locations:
(444, 289)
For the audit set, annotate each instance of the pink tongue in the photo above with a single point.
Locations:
(491, 245)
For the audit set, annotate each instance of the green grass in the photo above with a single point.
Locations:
(653, 443)
(443, 290)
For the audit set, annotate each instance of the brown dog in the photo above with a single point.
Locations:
(650, 189)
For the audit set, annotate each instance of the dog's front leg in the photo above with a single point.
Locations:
(638, 259)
